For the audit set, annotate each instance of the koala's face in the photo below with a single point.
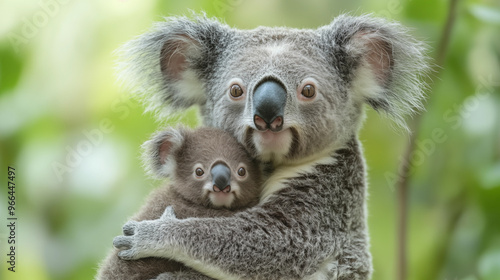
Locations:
(216, 170)
(286, 94)
(208, 167)
(278, 95)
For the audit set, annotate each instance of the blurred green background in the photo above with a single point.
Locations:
(73, 135)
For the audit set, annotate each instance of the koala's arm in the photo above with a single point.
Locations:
(114, 268)
(314, 225)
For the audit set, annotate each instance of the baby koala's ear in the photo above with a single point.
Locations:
(159, 152)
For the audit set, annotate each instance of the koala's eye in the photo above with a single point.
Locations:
(308, 91)
(199, 172)
(242, 172)
(236, 91)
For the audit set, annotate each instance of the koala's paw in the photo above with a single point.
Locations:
(146, 238)
(138, 240)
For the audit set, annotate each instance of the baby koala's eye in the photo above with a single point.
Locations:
(242, 172)
(308, 91)
(236, 91)
(199, 172)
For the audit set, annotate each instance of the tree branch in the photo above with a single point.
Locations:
(405, 168)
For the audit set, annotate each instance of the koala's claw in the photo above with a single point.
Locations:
(122, 242)
(129, 228)
(127, 255)
(168, 214)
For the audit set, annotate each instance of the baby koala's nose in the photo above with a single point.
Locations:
(221, 178)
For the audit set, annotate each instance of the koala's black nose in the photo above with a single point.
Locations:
(269, 100)
(221, 178)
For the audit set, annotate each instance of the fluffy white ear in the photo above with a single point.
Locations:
(159, 152)
(382, 62)
(167, 66)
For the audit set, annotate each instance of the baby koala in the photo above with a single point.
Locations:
(211, 175)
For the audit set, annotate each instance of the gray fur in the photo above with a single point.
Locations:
(184, 150)
(311, 221)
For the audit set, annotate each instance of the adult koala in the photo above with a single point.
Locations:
(295, 99)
